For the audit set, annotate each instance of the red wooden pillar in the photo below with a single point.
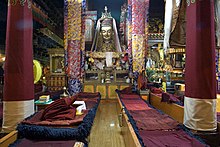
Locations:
(18, 100)
(200, 78)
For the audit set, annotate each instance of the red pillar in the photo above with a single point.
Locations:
(18, 101)
(200, 94)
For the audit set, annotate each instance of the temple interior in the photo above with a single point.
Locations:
(119, 73)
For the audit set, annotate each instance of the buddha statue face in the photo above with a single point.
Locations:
(106, 32)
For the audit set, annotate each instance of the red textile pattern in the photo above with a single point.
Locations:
(74, 59)
(135, 104)
(41, 143)
(19, 80)
(177, 138)
(130, 96)
(146, 22)
(152, 120)
(138, 17)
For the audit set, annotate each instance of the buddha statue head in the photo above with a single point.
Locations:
(106, 30)
(106, 35)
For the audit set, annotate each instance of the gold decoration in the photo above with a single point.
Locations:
(193, 1)
(89, 88)
(22, 3)
(111, 91)
(190, 1)
(12, 2)
(138, 51)
(74, 21)
(29, 3)
(102, 55)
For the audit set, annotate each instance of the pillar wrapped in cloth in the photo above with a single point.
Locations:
(200, 94)
(74, 43)
(139, 11)
(18, 101)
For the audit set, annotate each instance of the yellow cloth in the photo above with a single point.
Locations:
(37, 71)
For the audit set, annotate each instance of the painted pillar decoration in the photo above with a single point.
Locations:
(128, 28)
(200, 94)
(83, 39)
(75, 44)
(122, 34)
(139, 9)
(146, 27)
(217, 19)
(18, 100)
(65, 38)
(217, 33)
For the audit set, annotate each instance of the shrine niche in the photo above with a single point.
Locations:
(56, 79)
(106, 62)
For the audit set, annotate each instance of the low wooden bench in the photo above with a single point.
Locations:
(173, 110)
(8, 139)
(130, 138)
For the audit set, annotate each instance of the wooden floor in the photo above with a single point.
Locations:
(106, 130)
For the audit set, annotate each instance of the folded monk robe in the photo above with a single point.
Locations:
(61, 109)
(169, 98)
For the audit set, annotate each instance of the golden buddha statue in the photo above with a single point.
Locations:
(106, 35)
